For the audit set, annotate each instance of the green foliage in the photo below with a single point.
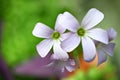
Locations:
(106, 73)
(20, 17)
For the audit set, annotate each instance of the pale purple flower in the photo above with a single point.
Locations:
(104, 49)
(60, 65)
(36, 67)
(84, 32)
(52, 39)
(111, 34)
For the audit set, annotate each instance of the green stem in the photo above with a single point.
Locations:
(76, 55)
(77, 61)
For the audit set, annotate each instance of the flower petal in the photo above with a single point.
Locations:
(58, 26)
(70, 68)
(69, 22)
(92, 18)
(88, 49)
(70, 65)
(35, 66)
(42, 31)
(65, 36)
(72, 62)
(62, 69)
(99, 35)
(59, 53)
(109, 48)
(101, 56)
(111, 34)
(44, 47)
(71, 43)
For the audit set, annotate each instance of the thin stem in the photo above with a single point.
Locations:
(76, 55)
(77, 61)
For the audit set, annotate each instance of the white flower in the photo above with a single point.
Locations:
(84, 32)
(60, 65)
(52, 39)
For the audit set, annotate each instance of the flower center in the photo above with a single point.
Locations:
(81, 32)
(56, 35)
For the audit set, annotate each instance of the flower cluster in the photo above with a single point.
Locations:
(69, 36)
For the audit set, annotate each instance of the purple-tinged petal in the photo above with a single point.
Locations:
(111, 34)
(109, 48)
(35, 67)
(65, 36)
(60, 65)
(101, 56)
(42, 31)
(70, 68)
(92, 18)
(62, 69)
(69, 22)
(59, 53)
(58, 27)
(44, 47)
(57, 65)
(70, 65)
(72, 62)
(98, 34)
(89, 50)
(71, 43)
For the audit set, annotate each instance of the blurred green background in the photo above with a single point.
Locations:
(20, 16)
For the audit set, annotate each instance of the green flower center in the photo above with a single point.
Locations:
(56, 35)
(81, 32)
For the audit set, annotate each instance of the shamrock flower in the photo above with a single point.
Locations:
(60, 65)
(84, 32)
(104, 49)
(52, 38)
